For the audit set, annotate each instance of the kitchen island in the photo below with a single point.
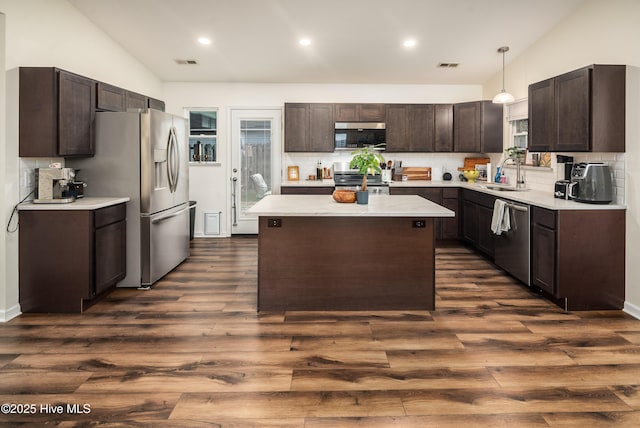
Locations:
(318, 254)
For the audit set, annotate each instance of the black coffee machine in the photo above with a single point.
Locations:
(565, 165)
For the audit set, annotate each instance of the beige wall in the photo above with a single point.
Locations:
(599, 32)
(54, 33)
(49, 33)
(4, 204)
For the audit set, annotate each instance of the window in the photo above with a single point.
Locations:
(203, 129)
(518, 117)
(519, 132)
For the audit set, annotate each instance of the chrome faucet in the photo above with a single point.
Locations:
(519, 176)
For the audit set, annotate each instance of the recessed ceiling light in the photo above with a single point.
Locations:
(204, 40)
(304, 42)
(409, 43)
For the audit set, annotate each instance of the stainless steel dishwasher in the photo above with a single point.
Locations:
(512, 248)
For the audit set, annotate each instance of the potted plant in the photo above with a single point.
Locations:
(366, 160)
(517, 153)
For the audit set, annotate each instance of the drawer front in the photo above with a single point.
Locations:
(546, 218)
(449, 193)
(108, 215)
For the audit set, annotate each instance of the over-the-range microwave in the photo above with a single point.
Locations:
(354, 135)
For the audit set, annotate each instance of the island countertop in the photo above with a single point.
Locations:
(326, 206)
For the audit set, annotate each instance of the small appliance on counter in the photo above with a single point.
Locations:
(591, 183)
(75, 189)
(565, 166)
(561, 189)
(52, 185)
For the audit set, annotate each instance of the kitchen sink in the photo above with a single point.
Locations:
(504, 188)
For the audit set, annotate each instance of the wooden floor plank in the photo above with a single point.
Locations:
(295, 404)
(192, 351)
(391, 379)
(577, 376)
(505, 400)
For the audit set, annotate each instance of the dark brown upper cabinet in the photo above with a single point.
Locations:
(410, 127)
(113, 98)
(477, 127)
(308, 127)
(56, 113)
(135, 101)
(155, 104)
(109, 97)
(443, 128)
(359, 112)
(583, 110)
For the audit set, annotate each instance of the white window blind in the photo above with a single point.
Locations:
(518, 110)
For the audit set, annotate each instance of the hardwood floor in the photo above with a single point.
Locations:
(193, 352)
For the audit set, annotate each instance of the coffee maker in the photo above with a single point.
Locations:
(52, 185)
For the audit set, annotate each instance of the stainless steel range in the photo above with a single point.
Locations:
(346, 178)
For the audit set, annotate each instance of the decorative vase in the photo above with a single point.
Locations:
(362, 197)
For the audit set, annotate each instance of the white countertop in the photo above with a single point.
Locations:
(326, 206)
(85, 203)
(531, 197)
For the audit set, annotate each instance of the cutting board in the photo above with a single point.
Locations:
(470, 163)
(417, 172)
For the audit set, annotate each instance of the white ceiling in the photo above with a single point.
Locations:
(354, 41)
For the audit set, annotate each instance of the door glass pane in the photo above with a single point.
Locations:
(255, 146)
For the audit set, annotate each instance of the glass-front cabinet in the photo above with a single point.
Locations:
(203, 144)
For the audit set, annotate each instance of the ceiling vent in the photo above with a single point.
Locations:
(448, 64)
(186, 61)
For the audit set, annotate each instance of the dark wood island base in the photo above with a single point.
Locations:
(346, 263)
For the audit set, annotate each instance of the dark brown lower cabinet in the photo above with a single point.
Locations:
(450, 227)
(477, 211)
(445, 228)
(68, 258)
(306, 190)
(543, 249)
(578, 257)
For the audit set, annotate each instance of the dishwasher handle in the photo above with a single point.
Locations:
(517, 207)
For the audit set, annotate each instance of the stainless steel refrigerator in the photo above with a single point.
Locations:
(144, 155)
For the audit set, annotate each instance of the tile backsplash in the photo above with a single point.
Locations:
(439, 162)
(543, 179)
(28, 171)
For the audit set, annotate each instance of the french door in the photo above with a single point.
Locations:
(255, 163)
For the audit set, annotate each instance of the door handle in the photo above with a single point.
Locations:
(170, 155)
(234, 211)
(518, 207)
(176, 161)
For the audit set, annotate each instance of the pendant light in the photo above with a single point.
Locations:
(503, 97)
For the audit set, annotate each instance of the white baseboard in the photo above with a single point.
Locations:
(10, 313)
(632, 310)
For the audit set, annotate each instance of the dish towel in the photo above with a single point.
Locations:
(500, 221)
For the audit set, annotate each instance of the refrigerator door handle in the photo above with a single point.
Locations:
(175, 158)
(167, 217)
(171, 160)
